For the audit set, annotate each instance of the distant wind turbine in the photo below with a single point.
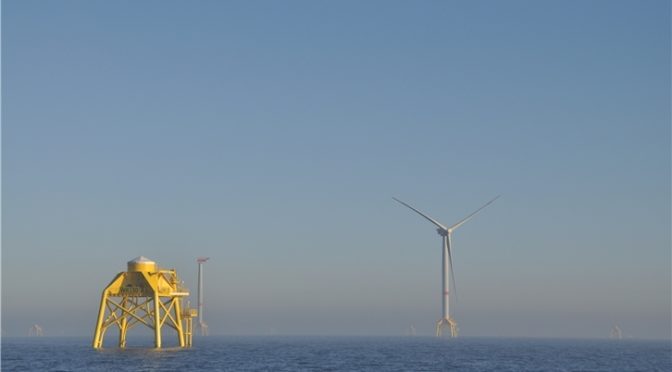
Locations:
(446, 233)
(201, 320)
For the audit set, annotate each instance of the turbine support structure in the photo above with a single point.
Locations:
(202, 325)
(446, 265)
(144, 295)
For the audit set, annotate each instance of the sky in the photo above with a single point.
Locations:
(272, 136)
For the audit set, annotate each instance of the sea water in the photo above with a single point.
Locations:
(278, 353)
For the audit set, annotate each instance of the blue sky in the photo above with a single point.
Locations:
(271, 137)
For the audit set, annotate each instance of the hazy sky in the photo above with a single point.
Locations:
(271, 137)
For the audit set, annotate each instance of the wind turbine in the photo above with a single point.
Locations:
(201, 321)
(447, 262)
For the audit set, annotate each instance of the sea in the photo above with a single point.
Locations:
(309, 353)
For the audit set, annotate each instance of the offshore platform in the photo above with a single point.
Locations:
(145, 295)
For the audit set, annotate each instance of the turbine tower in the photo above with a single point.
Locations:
(447, 263)
(201, 321)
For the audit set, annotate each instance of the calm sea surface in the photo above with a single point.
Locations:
(341, 354)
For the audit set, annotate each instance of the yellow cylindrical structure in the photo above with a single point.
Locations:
(141, 264)
(157, 321)
(98, 334)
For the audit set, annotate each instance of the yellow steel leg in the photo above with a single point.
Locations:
(157, 321)
(178, 320)
(98, 337)
(123, 324)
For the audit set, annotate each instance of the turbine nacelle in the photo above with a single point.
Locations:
(443, 232)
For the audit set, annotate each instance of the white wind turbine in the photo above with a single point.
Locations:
(447, 262)
(201, 321)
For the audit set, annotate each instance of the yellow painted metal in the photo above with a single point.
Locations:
(189, 314)
(144, 295)
(142, 266)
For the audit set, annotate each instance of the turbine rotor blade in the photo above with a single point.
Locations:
(465, 219)
(430, 219)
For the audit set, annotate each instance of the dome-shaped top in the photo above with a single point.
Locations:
(141, 263)
(141, 259)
